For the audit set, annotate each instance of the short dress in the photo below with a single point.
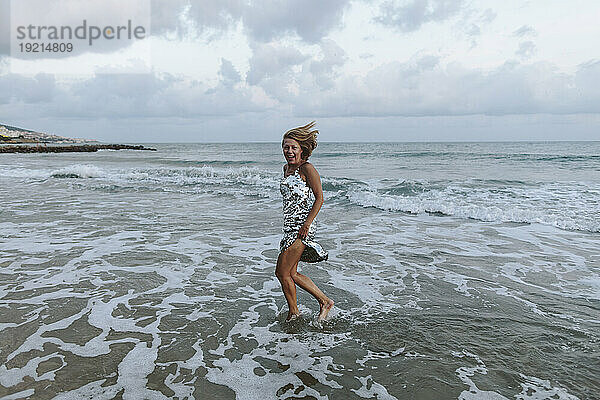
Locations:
(298, 200)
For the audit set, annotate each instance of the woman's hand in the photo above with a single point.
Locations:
(303, 232)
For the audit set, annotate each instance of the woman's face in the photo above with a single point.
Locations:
(292, 151)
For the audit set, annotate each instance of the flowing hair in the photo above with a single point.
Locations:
(306, 137)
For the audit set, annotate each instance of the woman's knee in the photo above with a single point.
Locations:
(280, 274)
(287, 260)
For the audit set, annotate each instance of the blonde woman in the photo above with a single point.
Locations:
(302, 200)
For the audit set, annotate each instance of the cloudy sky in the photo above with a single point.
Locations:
(389, 70)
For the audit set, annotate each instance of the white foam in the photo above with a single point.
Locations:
(296, 352)
(134, 370)
(542, 205)
(79, 171)
(540, 389)
(465, 374)
(371, 389)
(93, 390)
(20, 395)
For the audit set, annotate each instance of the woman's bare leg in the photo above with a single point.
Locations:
(325, 303)
(286, 262)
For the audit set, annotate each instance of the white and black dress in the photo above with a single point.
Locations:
(298, 200)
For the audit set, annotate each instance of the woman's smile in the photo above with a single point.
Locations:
(292, 151)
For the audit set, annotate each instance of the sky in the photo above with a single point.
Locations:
(248, 70)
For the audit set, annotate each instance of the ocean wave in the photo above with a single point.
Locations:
(407, 188)
(78, 171)
(516, 157)
(24, 173)
(183, 176)
(387, 154)
(541, 157)
(566, 205)
(71, 171)
(206, 175)
(485, 205)
(201, 163)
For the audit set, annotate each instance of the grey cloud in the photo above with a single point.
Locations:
(424, 63)
(488, 15)
(526, 50)
(205, 14)
(270, 60)
(272, 69)
(17, 88)
(264, 20)
(192, 101)
(473, 30)
(524, 31)
(126, 96)
(472, 20)
(106, 86)
(310, 19)
(410, 16)
(419, 88)
(165, 15)
(324, 70)
(229, 75)
(4, 27)
(110, 95)
(4, 64)
(583, 91)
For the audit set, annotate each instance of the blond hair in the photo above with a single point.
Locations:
(305, 137)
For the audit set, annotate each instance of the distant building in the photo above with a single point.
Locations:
(18, 135)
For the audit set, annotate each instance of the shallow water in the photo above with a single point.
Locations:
(459, 271)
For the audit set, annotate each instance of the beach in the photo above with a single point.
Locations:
(458, 270)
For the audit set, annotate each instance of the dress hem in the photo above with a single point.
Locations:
(313, 252)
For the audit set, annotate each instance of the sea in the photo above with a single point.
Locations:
(458, 270)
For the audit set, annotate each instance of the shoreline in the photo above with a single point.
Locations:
(70, 148)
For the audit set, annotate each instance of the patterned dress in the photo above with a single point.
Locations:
(298, 200)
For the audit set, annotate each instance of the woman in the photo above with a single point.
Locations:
(302, 200)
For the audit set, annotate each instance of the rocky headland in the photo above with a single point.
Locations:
(19, 140)
(71, 148)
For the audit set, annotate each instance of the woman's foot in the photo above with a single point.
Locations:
(325, 308)
(291, 317)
